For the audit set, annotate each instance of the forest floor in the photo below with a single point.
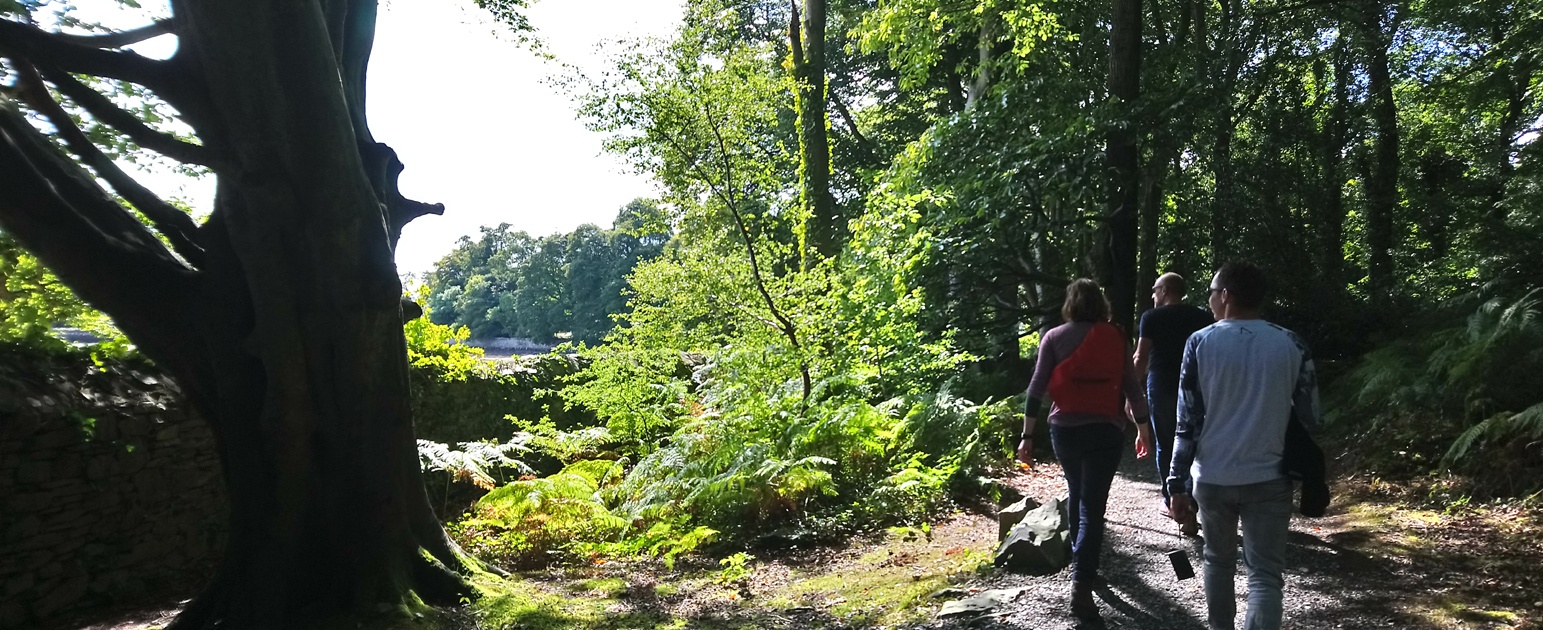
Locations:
(1373, 562)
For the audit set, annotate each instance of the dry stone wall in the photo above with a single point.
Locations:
(110, 489)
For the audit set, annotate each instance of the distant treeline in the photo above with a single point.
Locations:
(510, 284)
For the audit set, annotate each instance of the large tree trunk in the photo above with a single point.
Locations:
(329, 513)
(1382, 178)
(1151, 223)
(1331, 210)
(283, 318)
(1125, 85)
(823, 231)
(1224, 204)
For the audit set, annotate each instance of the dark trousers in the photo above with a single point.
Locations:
(1089, 455)
(1163, 399)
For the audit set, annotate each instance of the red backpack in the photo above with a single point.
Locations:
(1089, 381)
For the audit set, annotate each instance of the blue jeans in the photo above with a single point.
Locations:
(1164, 404)
(1089, 456)
(1265, 511)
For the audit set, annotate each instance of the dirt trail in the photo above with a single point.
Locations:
(1410, 569)
(1328, 584)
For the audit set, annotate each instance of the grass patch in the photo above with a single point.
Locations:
(609, 588)
(1447, 612)
(888, 586)
(1479, 561)
(588, 604)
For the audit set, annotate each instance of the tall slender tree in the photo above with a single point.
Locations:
(1377, 23)
(1124, 157)
(823, 230)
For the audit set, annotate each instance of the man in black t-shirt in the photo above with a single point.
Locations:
(1160, 350)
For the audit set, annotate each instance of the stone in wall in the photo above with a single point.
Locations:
(110, 489)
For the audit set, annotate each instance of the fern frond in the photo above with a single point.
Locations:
(1527, 424)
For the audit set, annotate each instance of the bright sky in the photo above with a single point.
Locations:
(469, 115)
(468, 112)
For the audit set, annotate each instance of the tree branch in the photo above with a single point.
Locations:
(384, 168)
(868, 146)
(46, 205)
(75, 187)
(56, 51)
(120, 38)
(103, 109)
(176, 225)
(788, 328)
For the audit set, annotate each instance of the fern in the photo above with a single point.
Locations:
(1501, 427)
(1458, 396)
(474, 462)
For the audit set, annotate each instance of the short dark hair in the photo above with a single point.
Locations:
(1085, 302)
(1245, 282)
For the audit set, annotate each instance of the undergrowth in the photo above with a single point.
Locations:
(1458, 405)
(712, 427)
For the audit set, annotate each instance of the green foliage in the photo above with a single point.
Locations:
(475, 462)
(665, 540)
(458, 396)
(1461, 397)
(1523, 429)
(33, 301)
(917, 35)
(509, 284)
(530, 520)
(735, 568)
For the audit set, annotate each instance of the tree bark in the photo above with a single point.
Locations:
(986, 42)
(287, 334)
(1120, 250)
(1151, 223)
(1224, 204)
(1331, 216)
(1382, 178)
(823, 231)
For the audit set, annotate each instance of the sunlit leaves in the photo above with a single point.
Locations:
(916, 34)
(33, 300)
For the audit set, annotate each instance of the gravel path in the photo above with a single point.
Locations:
(1327, 585)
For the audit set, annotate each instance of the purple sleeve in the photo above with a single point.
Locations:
(1044, 364)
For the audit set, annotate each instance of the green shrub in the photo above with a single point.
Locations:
(531, 520)
(459, 396)
(1461, 398)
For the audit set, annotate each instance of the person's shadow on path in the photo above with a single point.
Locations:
(1335, 585)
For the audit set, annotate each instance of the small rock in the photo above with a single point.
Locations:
(1011, 515)
(949, 592)
(980, 604)
(1040, 544)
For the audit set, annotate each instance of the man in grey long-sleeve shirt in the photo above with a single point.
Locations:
(1241, 380)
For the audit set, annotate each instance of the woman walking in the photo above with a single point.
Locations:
(1084, 365)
